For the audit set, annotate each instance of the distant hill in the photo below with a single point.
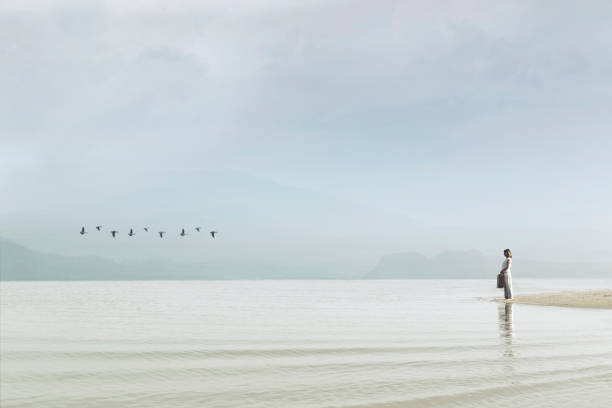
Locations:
(20, 263)
(475, 265)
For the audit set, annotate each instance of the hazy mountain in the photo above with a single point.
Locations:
(257, 219)
(475, 265)
(20, 263)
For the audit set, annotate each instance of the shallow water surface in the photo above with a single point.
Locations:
(411, 343)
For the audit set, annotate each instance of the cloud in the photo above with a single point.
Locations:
(418, 107)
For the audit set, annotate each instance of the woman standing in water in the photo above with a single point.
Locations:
(505, 271)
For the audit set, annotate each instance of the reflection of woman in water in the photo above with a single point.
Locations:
(505, 271)
(506, 331)
(505, 320)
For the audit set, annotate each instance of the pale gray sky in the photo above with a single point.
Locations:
(309, 130)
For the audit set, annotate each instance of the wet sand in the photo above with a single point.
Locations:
(598, 299)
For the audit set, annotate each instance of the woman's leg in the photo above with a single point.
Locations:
(508, 286)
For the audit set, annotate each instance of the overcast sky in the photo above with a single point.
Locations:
(310, 129)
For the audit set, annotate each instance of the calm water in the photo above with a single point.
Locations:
(299, 344)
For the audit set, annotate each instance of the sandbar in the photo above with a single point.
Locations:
(595, 299)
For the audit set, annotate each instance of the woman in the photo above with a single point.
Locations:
(505, 271)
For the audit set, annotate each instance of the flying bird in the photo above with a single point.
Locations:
(146, 229)
(131, 234)
(183, 233)
(161, 233)
(198, 228)
(212, 233)
(114, 233)
(99, 227)
(82, 231)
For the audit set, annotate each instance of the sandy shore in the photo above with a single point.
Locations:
(599, 299)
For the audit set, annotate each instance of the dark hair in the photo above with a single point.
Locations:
(507, 253)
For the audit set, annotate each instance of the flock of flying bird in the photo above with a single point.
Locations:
(146, 229)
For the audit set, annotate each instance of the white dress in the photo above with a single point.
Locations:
(506, 270)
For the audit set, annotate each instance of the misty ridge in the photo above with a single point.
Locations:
(475, 265)
(262, 220)
(18, 263)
